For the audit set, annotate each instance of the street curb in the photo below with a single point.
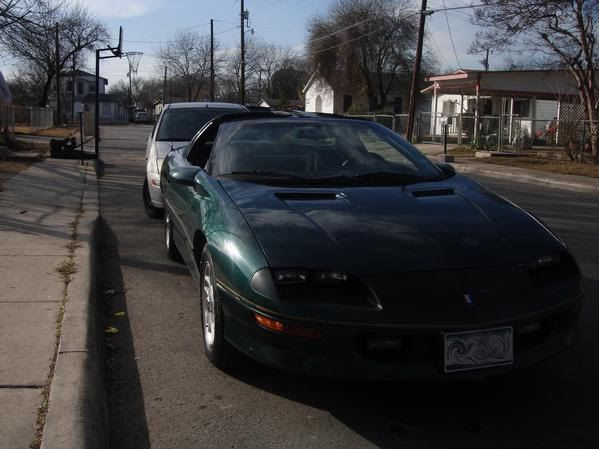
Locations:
(503, 172)
(77, 412)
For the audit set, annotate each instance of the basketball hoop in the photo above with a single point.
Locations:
(133, 57)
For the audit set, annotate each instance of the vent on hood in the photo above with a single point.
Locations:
(306, 196)
(432, 192)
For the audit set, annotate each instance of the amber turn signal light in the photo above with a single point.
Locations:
(284, 328)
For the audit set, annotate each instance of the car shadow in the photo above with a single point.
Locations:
(127, 417)
(551, 404)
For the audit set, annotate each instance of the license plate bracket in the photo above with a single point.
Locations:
(478, 349)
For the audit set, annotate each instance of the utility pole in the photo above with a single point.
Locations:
(129, 76)
(487, 61)
(242, 80)
(57, 62)
(416, 73)
(164, 88)
(211, 60)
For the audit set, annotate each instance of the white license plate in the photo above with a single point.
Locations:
(478, 349)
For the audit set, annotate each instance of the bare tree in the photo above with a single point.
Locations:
(370, 41)
(268, 60)
(565, 30)
(19, 15)
(79, 32)
(188, 60)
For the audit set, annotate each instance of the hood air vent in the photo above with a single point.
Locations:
(306, 196)
(432, 192)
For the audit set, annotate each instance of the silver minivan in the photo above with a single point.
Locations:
(175, 127)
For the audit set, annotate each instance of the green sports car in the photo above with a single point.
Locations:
(332, 247)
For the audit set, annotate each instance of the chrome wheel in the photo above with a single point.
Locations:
(208, 309)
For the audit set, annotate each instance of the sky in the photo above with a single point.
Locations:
(149, 24)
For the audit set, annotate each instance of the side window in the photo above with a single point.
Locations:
(201, 148)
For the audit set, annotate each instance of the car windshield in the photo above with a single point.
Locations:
(180, 125)
(298, 150)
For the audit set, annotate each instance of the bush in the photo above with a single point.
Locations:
(357, 109)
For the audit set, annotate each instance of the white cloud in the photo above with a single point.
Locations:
(121, 9)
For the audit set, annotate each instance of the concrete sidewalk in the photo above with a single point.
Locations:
(40, 210)
(556, 180)
(583, 184)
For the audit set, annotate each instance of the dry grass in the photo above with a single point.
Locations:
(9, 168)
(61, 133)
(547, 165)
(461, 152)
(39, 147)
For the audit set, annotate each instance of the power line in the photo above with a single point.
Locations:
(455, 53)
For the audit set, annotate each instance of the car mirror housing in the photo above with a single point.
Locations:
(183, 175)
(447, 169)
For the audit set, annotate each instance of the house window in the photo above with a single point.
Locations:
(397, 104)
(486, 106)
(80, 88)
(347, 102)
(449, 107)
(521, 108)
(91, 87)
(69, 86)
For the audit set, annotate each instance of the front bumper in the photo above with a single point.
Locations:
(342, 352)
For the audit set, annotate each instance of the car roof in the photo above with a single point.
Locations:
(205, 104)
(276, 115)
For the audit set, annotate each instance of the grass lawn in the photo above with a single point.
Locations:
(60, 133)
(548, 165)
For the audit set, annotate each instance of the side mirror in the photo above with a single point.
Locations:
(183, 175)
(447, 169)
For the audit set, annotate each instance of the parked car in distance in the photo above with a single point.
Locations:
(177, 124)
(333, 247)
(141, 117)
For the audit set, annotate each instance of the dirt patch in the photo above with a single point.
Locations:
(60, 133)
(547, 165)
(9, 168)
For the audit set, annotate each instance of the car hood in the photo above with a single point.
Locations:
(447, 225)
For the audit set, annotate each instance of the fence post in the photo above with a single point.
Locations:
(393, 122)
(445, 128)
(459, 128)
(374, 117)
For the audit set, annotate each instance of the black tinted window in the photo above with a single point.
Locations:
(182, 124)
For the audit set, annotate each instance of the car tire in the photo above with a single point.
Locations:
(169, 243)
(218, 350)
(151, 210)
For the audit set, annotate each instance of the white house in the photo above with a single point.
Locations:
(338, 93)
(510, 103)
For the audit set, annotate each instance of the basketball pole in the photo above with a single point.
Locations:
(117, 52)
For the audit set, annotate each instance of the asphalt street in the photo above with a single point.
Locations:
(164, 393)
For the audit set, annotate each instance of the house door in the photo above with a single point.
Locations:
(318, 106)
